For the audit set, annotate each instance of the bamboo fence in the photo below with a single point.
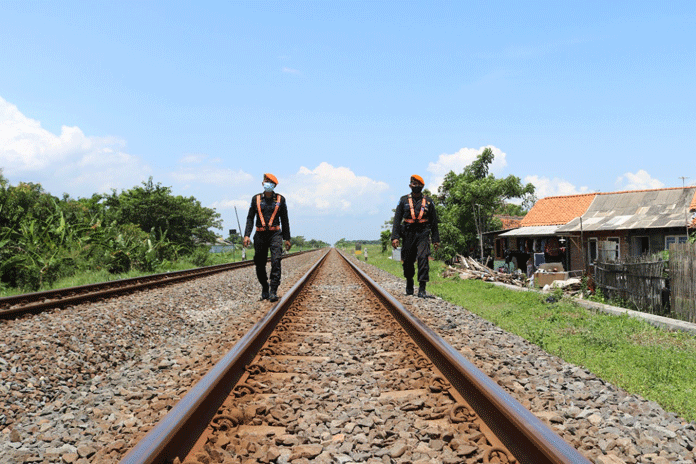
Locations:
(642, 282)
(682, 265)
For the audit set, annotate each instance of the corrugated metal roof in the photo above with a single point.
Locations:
(531, 231)
(635, 210)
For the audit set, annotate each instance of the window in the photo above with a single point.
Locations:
(670, 239)
(608, 250)
(615, 252)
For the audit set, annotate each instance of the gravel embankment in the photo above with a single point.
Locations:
(84, 383)
(605, 423)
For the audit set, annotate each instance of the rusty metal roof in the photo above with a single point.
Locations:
(531, 231)
(640, 209)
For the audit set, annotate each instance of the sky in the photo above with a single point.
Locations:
(344, 100)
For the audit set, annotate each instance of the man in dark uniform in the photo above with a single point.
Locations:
(419, 221)
(271, 211)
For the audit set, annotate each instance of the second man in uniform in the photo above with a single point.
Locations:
(415, 220)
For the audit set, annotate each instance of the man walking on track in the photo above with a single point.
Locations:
(271, 211)
(419, 217)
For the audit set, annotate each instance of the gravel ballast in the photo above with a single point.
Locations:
(84, 383)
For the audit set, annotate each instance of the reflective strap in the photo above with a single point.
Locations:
(270, 221)
(413, 212)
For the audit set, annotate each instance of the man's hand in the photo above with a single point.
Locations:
(288, 245)
(395, 243)
(436, 245)
(247, 241)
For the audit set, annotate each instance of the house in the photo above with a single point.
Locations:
(491, 246)
(221, 246)
(629, 224)
(576, 230)
(536, 237)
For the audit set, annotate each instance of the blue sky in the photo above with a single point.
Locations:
(343, 101)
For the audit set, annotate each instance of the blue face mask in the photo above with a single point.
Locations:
(268, 186)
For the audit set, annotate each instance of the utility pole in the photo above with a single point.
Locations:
(479, 228)
(686, 210)
(240, 233)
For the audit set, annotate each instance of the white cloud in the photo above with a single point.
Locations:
(335, 190)
(641, 180)
(242, 205)
(458, 161)
(70, 162)
(200, 169)
(545, 187)
(192, 158)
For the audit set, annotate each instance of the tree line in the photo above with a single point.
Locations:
(44, 238)
(300, 243)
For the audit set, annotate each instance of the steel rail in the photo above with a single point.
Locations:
(15, 305)
(530, 441)
(526, 436)
(177, 432)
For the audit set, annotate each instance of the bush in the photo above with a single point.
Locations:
(200, 256)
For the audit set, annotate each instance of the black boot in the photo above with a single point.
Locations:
(409, 286)
(264, 293)
(421, 290)
(273, 296)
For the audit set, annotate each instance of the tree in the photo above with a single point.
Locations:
(43, 238)
(468, 201)
(385, 239)
(298, 242)
(154, 209)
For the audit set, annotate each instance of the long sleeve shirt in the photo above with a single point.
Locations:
(267, 206)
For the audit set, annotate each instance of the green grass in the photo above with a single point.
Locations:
(654, 363)
(93, 277)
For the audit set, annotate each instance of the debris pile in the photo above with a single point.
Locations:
(570, 287)
(468, 268)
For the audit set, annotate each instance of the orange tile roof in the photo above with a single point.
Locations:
(692, 207)
(510, 222)
(553, 211)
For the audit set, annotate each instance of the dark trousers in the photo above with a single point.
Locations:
(416, 247)
(264, 241)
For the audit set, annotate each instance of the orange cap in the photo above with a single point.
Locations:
(271, 177)
(418, 178)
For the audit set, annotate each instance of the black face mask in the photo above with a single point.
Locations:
(416, 190)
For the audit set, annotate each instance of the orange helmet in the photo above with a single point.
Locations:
(271, 177)
(417, 178)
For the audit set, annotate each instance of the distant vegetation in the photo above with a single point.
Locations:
(343, 243)
(299, 243)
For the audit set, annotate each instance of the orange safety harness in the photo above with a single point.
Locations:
(270, 225)
(418, 219)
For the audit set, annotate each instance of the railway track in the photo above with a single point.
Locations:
(13, 306)
(339, 371)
